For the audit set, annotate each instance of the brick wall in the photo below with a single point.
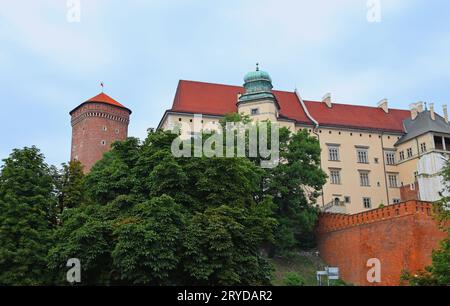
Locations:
(410, 192)
(95, 126)
(401, 236)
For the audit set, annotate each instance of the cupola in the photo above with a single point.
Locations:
(258, 86)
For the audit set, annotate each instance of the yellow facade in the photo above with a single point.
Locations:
(349, 190)
(366, 167)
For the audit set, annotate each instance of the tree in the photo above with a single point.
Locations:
(293, 185)
(223, 246)
(27, 210)
(148, 242)
(70, 184)
(160, 220)
(111, 176)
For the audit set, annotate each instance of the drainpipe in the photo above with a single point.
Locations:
(384, 167)
(315, 131)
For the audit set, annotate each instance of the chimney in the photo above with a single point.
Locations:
(444, 108)
(383, 104)
(432, 114)
(413, 108)
(327, 100)
(419, 106)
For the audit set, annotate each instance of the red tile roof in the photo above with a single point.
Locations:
(218, 99)
(102, 98)
(357, 116)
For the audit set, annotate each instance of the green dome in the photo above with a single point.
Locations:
(257, 81)
(258, 85)
(257, 75)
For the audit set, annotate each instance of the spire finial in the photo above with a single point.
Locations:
(257, 66)
(102, 85)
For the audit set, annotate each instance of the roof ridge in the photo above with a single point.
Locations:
(210, 83)
(356, 105)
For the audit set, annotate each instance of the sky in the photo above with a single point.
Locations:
(361, 51)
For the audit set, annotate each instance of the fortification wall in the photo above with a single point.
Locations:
(400, 236)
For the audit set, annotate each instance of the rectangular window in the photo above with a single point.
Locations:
(363, 156)
(409, 152)
(390, 158)
(255, 111)
(347, 199)
(367, 203)
(335, 176)
(393, 180)
(364, 178)
(438, 143)
(423, 147)
(333, 153)
(402, 155)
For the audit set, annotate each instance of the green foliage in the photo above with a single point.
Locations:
(160, 220)
(147, 245)
(293, 185)
(84, 235)
(70, 184)
(145, 217)
(293, 279)
(27, 206)
(110, 177)
(223, 246)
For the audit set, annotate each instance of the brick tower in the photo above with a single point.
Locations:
(96, 124)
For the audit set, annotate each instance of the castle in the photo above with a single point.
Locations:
(373, 156)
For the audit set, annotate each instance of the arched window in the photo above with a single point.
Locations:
(337, 201)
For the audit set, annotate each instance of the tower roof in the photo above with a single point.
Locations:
(102, 98)
(423, 124)
(258, 85)
(257, 76)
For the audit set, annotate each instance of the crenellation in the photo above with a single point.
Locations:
(331, 222)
